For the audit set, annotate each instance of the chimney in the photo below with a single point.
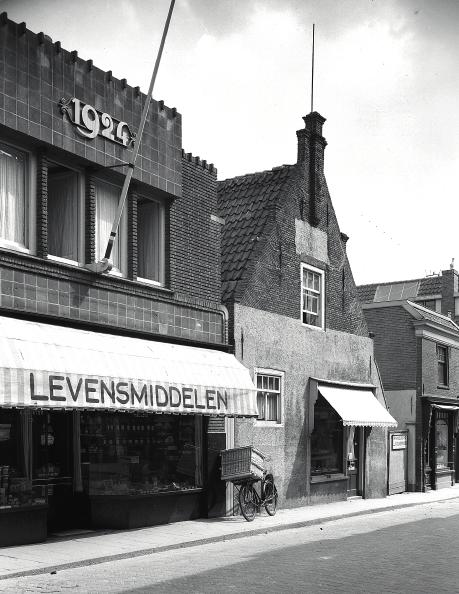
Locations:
(449, 287)
(311, 146)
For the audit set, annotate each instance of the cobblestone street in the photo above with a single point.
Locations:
(406, 550)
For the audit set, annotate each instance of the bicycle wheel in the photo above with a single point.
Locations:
(270, 495)
(248, 501)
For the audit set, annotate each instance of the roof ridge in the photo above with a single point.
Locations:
(254, 173)
(410, 280)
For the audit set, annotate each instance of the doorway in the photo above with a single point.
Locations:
(52, 433)
(354, 460)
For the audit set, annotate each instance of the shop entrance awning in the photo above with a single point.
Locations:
(42, 365)
(357, 407)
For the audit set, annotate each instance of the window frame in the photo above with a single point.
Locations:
(321, 274)
(123, 227)
(445, 363)
(162, 210)
(81, 215)
(281, 397)
(30, 190)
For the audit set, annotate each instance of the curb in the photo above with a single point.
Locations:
(212, 539)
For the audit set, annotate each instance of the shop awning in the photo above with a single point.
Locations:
(42, 365)
(357, 407)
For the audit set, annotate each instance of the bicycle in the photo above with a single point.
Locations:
(250, 501)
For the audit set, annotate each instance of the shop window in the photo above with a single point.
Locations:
(326, 440)
(133, 454)
(107, 199)
(64, 205)
(150, 241)
(16, 488)
(312, 296)
(269, 397)
(442, 365)
(441, 440)
(13, 198)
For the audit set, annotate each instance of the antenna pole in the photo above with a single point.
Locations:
(104, 265)
(312, 69)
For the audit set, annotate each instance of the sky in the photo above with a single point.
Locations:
(386, 80)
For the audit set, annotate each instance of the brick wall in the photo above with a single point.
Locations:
(395, 346)
(429, 376)
(195, 233)
(37, 73)
(274, 278)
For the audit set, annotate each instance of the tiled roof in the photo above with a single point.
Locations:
(430, 285)
(433, 316)
(246, 203)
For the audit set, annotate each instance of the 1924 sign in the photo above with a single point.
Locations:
(91, 122)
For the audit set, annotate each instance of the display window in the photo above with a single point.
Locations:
(128, 454)
(17, 488)
(326, 440)
(441, 440)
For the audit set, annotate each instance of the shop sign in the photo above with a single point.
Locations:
(399, 441)
(91, 122)
(77, 391)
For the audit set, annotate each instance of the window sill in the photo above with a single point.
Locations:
(312, 327)
(442, 387)
(148, 281)
(64, 260)
(13, 247)
(273, 424)
(328, 478)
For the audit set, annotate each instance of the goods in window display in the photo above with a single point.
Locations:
(134, 455)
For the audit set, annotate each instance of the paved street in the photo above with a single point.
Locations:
(406, 550)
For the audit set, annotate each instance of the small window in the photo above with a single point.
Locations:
(13, 198)
(429, 304)
(269, 397)
(442, 365)
(107, 199)
(63, 213)
(312, 299)
(150, 241)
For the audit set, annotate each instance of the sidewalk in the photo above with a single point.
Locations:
(96, 547)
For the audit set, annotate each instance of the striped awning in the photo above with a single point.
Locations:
(48, 366)
(357, 406)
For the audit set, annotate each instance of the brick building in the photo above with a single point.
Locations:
(296, 323)
(89, 361)
(417, 349)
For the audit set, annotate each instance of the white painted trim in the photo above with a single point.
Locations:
(280, 374)
(322, 295)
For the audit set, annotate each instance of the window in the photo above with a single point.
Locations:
(150, 240)
(13, 198)
(312, 300)
(441, 440)
(442, 365)
(269, 397)
(63, 213)
(428, 303)
(107, 199)
(326, 440)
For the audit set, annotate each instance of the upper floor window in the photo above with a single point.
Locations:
(269, 397)
(107, 199)
(150, 240)
(429, 303)
(442, 365)
(14, 206)
(64, 202)
(312, 296)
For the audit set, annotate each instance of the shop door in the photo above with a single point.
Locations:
(398, 448)
(354, 461)
(52, 466)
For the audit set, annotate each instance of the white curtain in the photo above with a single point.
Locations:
(107, 198)
(63, 214)
(12, 196)
(150, 240)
